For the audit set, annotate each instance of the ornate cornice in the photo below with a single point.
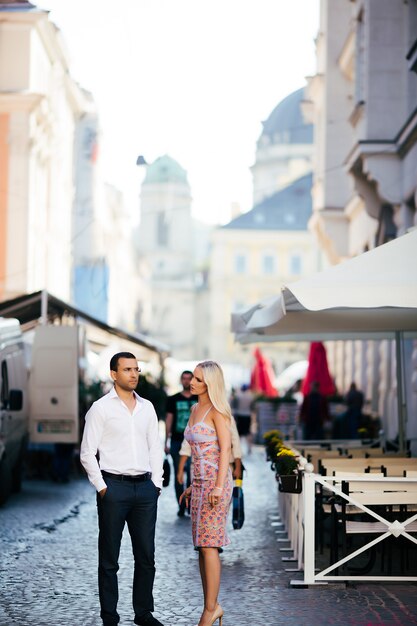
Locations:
(19, 101)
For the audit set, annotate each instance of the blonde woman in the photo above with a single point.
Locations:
(208, 433)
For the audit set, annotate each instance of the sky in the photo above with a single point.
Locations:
(190, 78)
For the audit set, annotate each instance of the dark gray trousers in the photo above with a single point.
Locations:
(136, 504)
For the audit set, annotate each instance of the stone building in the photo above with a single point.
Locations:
(39, 107)
(362, 102)
(284, 149)
(58, 219)
(255, 253)
(166, 244)
(90, 269)
(105, 271)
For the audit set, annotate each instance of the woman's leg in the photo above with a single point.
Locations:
(202, 574)
(211, 566)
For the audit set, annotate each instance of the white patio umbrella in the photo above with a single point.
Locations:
(371, 296)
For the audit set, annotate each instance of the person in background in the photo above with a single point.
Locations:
(62, 462)
(242, 409)
(178, 413)
(153, 391)
(121, 430)
(295, 393)
(232, 399)
(314, 412)
(354, 402)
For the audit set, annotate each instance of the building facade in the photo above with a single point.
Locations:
(90, 267)
(39, 108)
(166, 244)
(284, 149)
(105, 270)
(362, 102)
(61, 228)
(257, 252)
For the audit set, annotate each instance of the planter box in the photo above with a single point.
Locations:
(291, 483)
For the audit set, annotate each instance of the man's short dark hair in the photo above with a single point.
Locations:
(187, 372)
(114, 361)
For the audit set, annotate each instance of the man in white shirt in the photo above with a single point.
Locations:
(122, 428)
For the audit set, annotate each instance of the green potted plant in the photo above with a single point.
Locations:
(285, 462)
(286, 467)
(272, 442)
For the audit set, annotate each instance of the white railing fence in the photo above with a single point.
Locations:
(298, 513)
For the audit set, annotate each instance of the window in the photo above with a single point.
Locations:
(360, 61)
(289, 218)
(162, 230)
(240, 264)
(238, 305)
(295, 264)
(259, 218)
(4, 392)
(268, 264)
(412, 38)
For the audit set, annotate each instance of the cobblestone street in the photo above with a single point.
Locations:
(48, 566)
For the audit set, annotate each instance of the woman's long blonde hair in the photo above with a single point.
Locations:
(216, 389)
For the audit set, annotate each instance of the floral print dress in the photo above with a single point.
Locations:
(208, 522)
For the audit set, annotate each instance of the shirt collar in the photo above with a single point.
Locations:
(113, 394)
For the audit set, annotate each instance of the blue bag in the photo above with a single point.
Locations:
(238, 510)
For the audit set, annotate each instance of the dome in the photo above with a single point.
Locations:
(17, 5)
(165, 170)
(286, 123)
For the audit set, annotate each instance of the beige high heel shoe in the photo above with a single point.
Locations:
(217, 615)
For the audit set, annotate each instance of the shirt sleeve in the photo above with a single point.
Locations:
(155, 448)
(93, 431)
(171, 404)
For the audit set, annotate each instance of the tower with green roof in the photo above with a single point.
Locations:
(166, 243)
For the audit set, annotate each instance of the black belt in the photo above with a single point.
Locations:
(139, 478)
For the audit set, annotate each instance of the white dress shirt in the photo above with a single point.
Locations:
(127, 443)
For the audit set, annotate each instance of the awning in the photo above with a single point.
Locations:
(372, 295)
(30, 308)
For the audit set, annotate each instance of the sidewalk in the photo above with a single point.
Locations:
(48, 566)
(255, 587)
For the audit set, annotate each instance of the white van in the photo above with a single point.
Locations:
(14, 406)
(37, 403)
(53, 385)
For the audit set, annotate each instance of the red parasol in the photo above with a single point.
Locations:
(262, 376)
(318, 370)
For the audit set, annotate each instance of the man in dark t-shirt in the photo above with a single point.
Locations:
(178, 413)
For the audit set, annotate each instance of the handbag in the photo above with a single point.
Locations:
(167, 472)
(238, 509)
